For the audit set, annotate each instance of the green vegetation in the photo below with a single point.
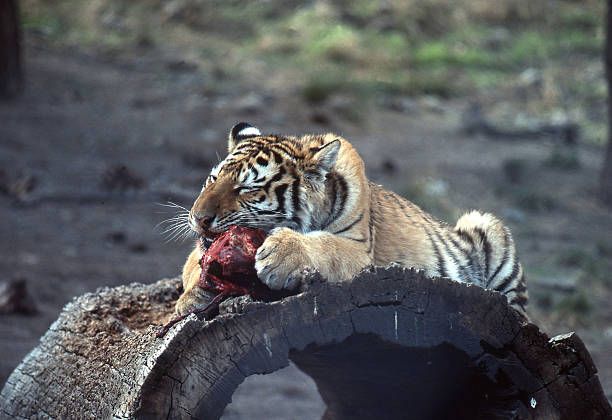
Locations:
(47, 25)
(390, 47)
(364, 49)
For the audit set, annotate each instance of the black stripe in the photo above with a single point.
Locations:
(511, 276)
(357, 240)
(252, 143)
(371, 228)
(349, 226)
(275, 178)
(244, 149)
(461, 269)
(279, 191)
(267, 212)
(248, 206)
(519, 300)
(504, 260)
(518, 289)
(312, 174)
(372, 221)
(295, 196)
(475, 270)
(253, 169)
(236, 154)
(441, 263)
(284, 149)
(458, 245)
(487, 252)
(334, 196)
(238, 189)
(521, 286)
(339, 189)
(241, 146)
(262, 161)
(277, 156)
(465, 236)
(402, 204)
(343, 195)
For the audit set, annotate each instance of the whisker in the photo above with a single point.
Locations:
(176, 227)
(173, 221)
(181, 233)
(172, 205)
(176, 224)
(171, 230)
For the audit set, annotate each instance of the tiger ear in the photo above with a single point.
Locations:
(240, 132)
(327, 155)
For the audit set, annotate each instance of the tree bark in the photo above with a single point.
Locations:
(388, 344)
(11, 77)
(606, 171)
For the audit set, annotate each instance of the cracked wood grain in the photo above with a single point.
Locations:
(388, 343)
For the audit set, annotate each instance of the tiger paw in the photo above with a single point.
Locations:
(282, 261)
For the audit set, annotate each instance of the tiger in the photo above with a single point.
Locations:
(311, 195)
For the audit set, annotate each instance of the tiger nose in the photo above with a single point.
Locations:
(204, 221)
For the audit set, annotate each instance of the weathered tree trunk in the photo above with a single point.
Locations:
(11, 78)
(389, 344)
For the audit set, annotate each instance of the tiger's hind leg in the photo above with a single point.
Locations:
(494, 248)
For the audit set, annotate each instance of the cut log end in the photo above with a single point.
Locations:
(389, 343)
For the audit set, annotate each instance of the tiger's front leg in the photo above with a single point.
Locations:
(281, 259)
(193, 295)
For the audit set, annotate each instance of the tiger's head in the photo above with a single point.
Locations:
(266, 181)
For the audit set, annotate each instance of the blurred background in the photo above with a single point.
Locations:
(124, 106)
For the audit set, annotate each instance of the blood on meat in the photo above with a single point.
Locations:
(228, 265)
(228, 269)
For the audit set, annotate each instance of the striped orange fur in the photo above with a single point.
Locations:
(312, 196)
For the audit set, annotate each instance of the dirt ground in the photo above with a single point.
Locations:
(97, 143)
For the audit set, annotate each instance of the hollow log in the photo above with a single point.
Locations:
(391, 343)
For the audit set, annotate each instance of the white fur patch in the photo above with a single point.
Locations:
(248, 132)
(317, 233)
